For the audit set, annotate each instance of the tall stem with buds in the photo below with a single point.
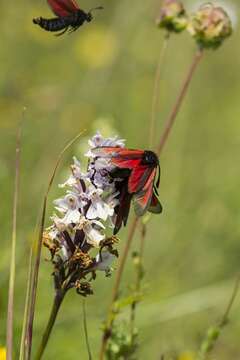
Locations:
(138, 262)
(167, 129)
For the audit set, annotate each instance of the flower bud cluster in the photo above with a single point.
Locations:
(210, 25)
(172, 16)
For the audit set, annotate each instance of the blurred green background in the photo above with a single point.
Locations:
(101, 77)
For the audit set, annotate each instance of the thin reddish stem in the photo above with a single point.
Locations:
(156, 90)
(168, 127)
(172, 117)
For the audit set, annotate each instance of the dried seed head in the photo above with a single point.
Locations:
(83, 288)
(210, 26)
(50, 243)
(82, 259)
(173, 16)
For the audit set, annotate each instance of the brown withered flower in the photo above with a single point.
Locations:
(173, 16)
(210, 26)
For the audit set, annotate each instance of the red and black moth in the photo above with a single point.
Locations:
(69, 16)
(138, 170)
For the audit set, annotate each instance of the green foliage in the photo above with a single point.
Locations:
(123, 344)
(102, 78)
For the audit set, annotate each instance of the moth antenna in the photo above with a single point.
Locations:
(155, 190)
(96, 8)
(158, 179)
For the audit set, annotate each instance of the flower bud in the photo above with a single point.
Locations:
(210, 26)
(173, 16)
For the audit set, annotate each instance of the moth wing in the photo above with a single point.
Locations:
(122, 211)
(143, 198)
(138, 178)
(63, 8)
(120, 157)
(142, 201)
(155, 206)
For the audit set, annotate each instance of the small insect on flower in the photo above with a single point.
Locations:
(137, 170)
(69, 16)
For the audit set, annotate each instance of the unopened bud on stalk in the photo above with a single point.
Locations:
(173, 16)
(210, 26)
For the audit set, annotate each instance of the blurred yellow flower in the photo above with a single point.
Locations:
(3, 353)
(186, 355)
(97, 48)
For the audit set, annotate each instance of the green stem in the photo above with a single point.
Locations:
(214, 332)
(86, 330)
(31, 299)
(46, 335)
(139, 277)
(10, 309)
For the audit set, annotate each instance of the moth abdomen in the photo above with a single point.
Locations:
(55, 24)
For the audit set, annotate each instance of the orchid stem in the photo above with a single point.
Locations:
(85, 328)
(58, 299)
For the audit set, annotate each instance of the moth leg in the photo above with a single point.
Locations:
(73, 29)
(63, 32)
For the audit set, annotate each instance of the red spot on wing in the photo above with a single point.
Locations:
(125, 164)
(150, 180)
(142, 201)
(138, 178)
(143, 198)
(63, 7)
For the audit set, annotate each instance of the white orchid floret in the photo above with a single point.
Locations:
(104, 261)
(93, 230)
(99, 208)
(103, 182)
(76, 176)
(100, 167)
(69, 202)
(70, 217)
(98, 140)
(58, 223)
